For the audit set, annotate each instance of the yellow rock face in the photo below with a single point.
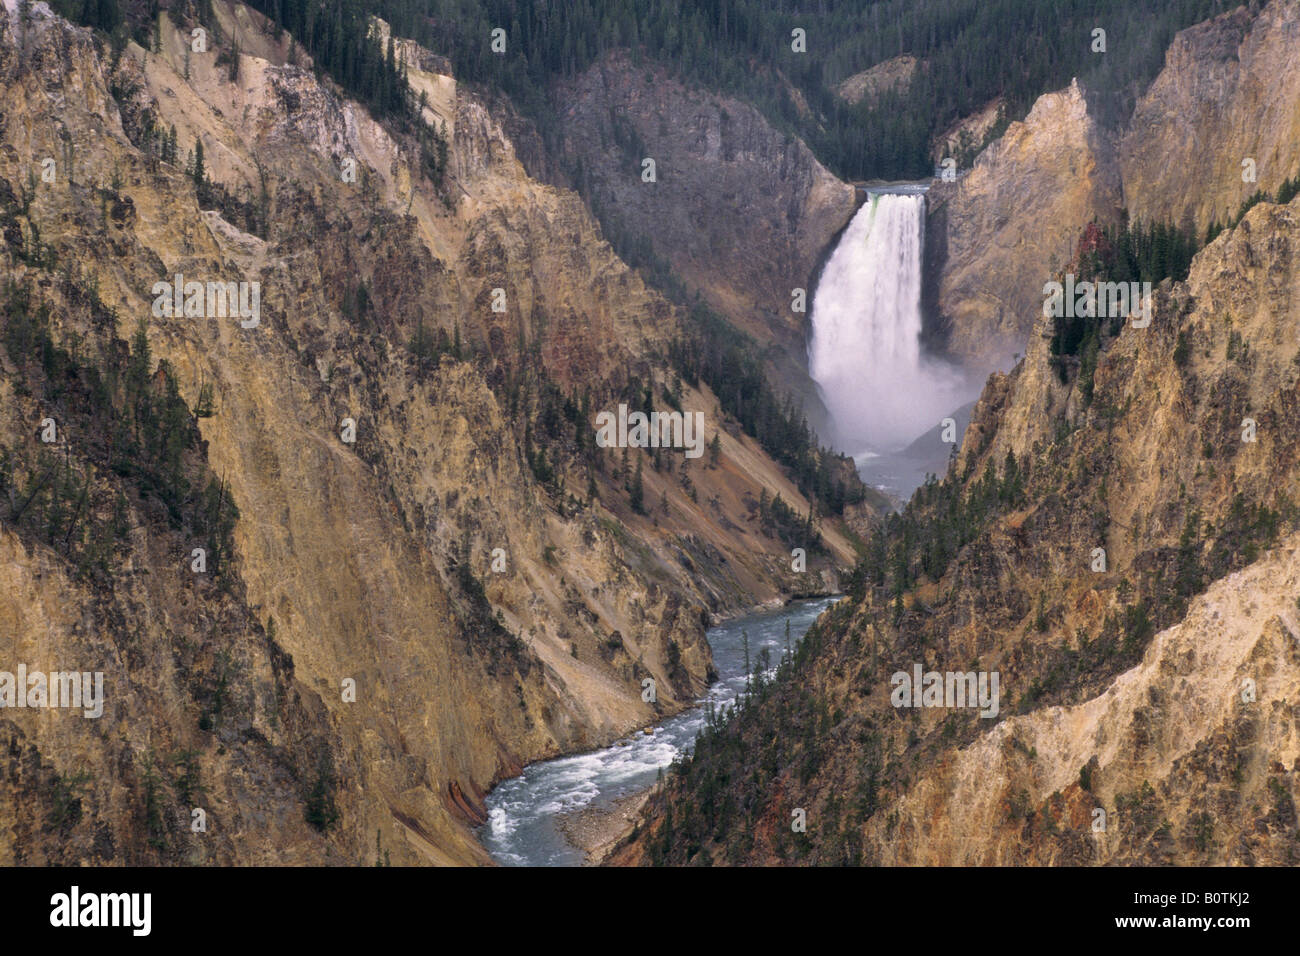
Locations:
(1221, 121)
(367, 561)
(1013, 219)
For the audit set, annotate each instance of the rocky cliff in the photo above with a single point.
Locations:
(423, 575)
(1121, 550)
(1226, 95)
(997, 234)
(741, 212)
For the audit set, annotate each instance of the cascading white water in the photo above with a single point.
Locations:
(865, 353)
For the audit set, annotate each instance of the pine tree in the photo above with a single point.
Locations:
(137, 374)
(198, 173)
(636, 492)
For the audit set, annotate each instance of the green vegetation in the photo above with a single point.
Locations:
(1289, 189)
(320, 810)
(940, 520)
(214, 690)
(636, 491)
(974, 51)
(118, 423)
(338, 38)
(105, 15)
(426, 346)
(1138, 810)
(716, 353)
(1247, 204)
(1248, 529)
(65, 799)
(1123, 253)
(1136, 252)
(777, 518)
(486, 635)
(186, 781)
(1200, 831)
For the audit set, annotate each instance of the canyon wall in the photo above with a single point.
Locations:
(1120, 547)
(742, 212)
(432, 577)
(1227, 92)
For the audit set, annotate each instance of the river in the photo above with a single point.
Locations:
(523, 812)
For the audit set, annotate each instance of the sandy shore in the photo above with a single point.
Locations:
(595, 830)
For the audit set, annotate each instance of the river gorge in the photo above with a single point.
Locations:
(526, 814)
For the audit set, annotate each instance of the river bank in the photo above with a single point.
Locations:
(595, 831)
(572, 810)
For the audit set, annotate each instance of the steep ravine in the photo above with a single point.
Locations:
(1218, 124)
(369, 561)
(1156, 682)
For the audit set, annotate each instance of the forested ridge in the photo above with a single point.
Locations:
(972, 53)
(973, 50)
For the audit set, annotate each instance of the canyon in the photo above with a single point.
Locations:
(1116, 537)
(368, 537)
(373, 563)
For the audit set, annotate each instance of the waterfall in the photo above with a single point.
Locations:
(865, 354)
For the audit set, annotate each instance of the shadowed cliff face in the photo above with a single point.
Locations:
(741, 212)
(1156, 681)
(373, 560)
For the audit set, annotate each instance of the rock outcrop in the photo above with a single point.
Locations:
(894, 74)
(1229, 93)
(427, 585)
(1122, 551)
(998, 234)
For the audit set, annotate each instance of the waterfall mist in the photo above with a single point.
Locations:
(865, 354)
